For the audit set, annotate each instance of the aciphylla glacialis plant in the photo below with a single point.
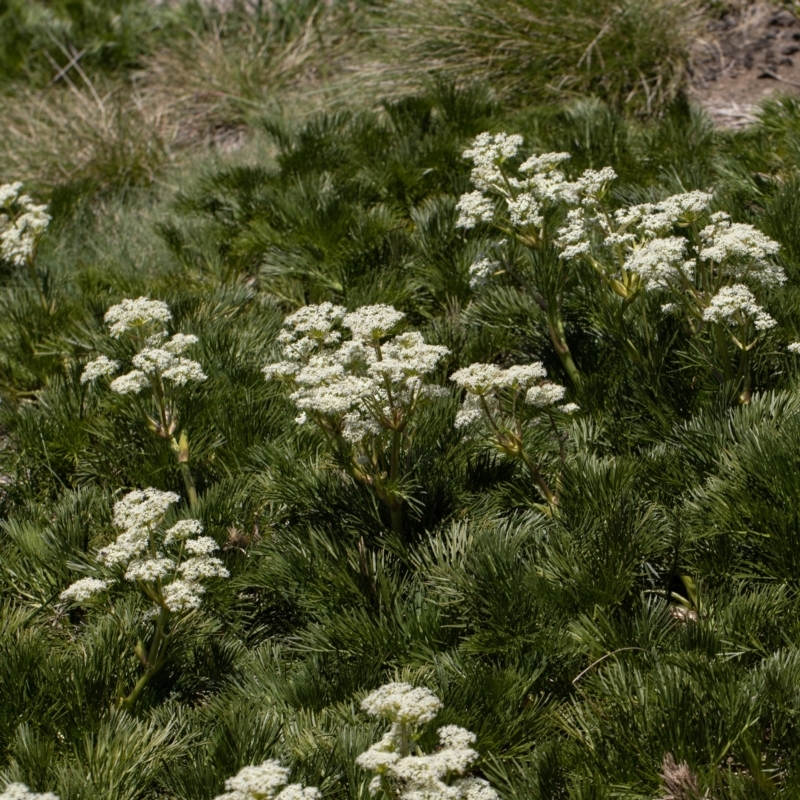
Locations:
(500, 404)
(363, 393)
(160, 371)
(19, 791)
(402, 770)
(267, 781)
(703, 266)
(166, 565)
(22, 225)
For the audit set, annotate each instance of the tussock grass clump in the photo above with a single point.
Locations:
(633, 53)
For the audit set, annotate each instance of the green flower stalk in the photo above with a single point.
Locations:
(166, 566)
(364, 393)
(160, 367)
(499, 404)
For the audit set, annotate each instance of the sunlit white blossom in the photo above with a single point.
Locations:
(545, 395)
(660, 261)
(143, 508)
(100, 367)
(18, 241)
(84, 589)
(401, 702)
(744, 249)
(473, 208)
(149, 569)
(487, 153)
(19, 791)
(131, 383)
(181, 595)
(131, 314)
(477, 378)
(183, 529)
(194, 569)
(794, 347)
(372, 322)
(735, 304)
(524, 209)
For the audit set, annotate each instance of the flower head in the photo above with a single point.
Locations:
(370, 323)
(401, 702)
(100, 367)
(83, 589)
(130, 314)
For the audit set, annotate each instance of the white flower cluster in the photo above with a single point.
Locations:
(176, 581)
(744, 249)
(19, 791)
(131, 314)
(101, 367)
(419, 776)
(539, 181)
(486, 386)
(158, 360)
(22, 223)
(402, 702)
(794, 347)
(84, 589)
(357, 387)
(656, 218)
(736, 305)
(266, 781)
(661, 262)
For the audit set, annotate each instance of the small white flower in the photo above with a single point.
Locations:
(794, 347)
(372, 322)
(183, 371)
(524, 210)
(149, 569)
(183, 595)
(744, 250)
(100, 367)
(183, 530)
(179, 343)
(19, 791)
(281, 370)
(735, 304)
(487, 153)
(203, 567)
(131, 383)
(131, 314)
(473, 208)
(660, 261)
(546, 162)
(401, 702)
(478, 378)
(263, 780)
(202, 546)
(143, 508)
(9, 192)
(82, 590)
(545, 395)
(569, 408)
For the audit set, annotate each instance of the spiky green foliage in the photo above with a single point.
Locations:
(651, 612)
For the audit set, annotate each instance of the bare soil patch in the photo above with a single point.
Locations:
(743, 59)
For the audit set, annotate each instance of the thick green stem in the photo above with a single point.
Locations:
(537, 476)
(181, 449)
(556, 325)
(155, 660)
